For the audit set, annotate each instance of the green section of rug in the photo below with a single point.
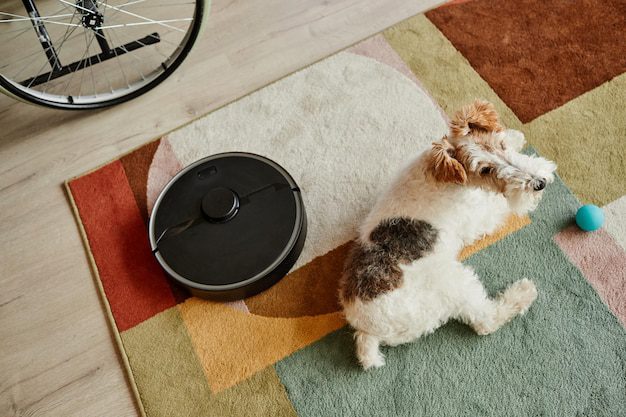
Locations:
(565, 357)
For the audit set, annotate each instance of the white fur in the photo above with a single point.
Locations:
(437, 287)
(513, 138)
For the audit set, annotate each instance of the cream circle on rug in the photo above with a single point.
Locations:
(342, 127)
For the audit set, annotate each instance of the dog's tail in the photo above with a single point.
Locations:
(480, 116)
(368, 350)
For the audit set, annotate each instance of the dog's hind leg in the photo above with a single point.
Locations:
(486, 315)
(368, 350)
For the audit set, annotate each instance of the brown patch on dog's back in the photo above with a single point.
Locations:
(368, 272)
(373, 269)
(403, 238)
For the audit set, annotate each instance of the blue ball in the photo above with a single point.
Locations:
(589, 217)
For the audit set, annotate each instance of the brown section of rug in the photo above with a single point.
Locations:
(136, 165)
(538, 55)
(308, 291)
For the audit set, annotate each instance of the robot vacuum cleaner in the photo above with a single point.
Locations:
(228, 226)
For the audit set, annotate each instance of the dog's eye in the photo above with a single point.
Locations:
(486, 170)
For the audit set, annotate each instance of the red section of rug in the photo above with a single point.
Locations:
(135, 286)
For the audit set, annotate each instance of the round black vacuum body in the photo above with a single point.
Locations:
(228, 226)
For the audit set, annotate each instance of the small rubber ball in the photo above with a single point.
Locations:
(589, 217)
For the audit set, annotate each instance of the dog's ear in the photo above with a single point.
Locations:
(442, 165)
(480, 116)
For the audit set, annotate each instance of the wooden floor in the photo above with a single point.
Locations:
(57, 357)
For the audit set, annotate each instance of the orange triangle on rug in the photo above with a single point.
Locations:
(233, 345)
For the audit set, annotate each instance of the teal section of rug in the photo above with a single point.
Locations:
(565, 357)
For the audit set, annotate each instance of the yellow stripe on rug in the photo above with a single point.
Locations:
(512, 225)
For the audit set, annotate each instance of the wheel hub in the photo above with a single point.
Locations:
(92, 18)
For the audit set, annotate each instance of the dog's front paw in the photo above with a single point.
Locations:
(523, 202)
(544, 168)
(514, 139)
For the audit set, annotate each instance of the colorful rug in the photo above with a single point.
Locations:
(342, 127)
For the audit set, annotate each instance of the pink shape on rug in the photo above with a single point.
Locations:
(602, 261)
(238, 305)
(164, 166)
(379, 50)
(454, 2)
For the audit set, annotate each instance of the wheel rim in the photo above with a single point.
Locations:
(86, 53)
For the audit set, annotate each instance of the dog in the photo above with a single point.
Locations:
(402, 279)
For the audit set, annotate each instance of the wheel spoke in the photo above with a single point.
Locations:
(82, 59)
(130, 53)
(150, 6)
(22, 31)
(105, 74)
(67, 34)
(77, 6)
(137, 16)
(26, 18)
(17, 76)
(130, 3)
(40, 19)
(29, 27)
(38, 52)
(116, 13)
(157, 22)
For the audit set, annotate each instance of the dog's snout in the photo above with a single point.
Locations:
(539, 185)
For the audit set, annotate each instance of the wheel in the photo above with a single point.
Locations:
(85, 54)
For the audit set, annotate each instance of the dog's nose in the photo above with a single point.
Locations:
(539, 185)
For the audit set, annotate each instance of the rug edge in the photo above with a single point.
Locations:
(102, 295)
(109, 161)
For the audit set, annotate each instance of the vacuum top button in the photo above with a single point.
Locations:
(220, 204)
